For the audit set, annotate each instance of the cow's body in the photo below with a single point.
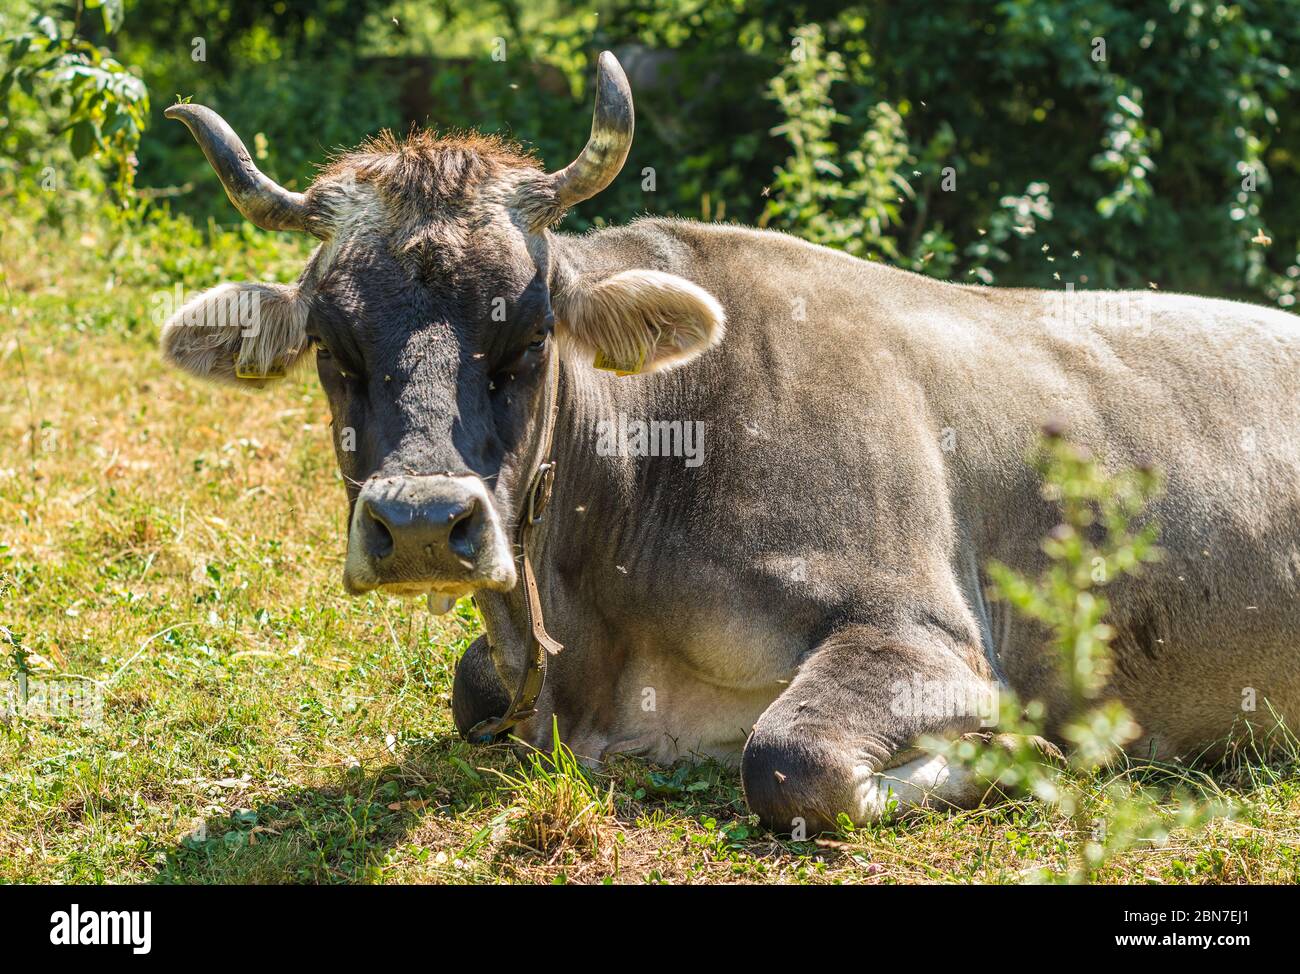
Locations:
(865, 439)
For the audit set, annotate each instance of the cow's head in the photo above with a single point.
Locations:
(435, 308)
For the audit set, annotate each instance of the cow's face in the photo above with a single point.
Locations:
(434, 312)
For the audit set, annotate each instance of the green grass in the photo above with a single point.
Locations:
(183, 545)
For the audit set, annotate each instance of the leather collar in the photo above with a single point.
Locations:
(532, 506)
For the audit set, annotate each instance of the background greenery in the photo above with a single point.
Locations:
(1166, 162)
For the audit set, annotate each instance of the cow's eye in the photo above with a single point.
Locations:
(524, 362)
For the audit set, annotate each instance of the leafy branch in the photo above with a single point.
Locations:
(107, 106)
(1098, 540)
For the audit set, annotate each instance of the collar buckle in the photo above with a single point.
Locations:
(540, 494)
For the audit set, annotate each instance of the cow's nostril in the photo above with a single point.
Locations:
(462, 539)
(381, 538)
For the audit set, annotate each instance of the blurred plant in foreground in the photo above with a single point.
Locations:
(1095, 543)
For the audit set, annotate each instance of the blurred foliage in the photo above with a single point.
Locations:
(1034, 142)
(1101, 537)
(1095, 543)
(83, 91)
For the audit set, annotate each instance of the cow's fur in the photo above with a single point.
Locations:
(867, 431)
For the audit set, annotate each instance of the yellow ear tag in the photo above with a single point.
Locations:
(276, 371)
(603, 361)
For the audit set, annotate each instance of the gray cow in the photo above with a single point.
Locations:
(857, 440)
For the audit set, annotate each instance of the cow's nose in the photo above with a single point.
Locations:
(397, 528)
(425, 532)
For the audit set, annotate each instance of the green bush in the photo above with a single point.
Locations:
(65, 89)
(1022, 142)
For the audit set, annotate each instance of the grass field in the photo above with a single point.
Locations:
(182, 546)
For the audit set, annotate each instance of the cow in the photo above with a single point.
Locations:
(858, 437)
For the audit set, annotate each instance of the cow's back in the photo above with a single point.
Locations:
(876, 426)
(1206, 390)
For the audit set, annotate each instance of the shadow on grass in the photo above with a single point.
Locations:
(345, 831)
(681, 823)
(342, 831)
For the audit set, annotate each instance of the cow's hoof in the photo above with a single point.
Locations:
(795, 787)
(1047, 752)
(476, 693)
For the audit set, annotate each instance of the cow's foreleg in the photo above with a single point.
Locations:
(842, 737)
(477, 693)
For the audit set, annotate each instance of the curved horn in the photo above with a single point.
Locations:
(261, 199)
(611, 138)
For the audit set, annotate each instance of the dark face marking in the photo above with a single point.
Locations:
(434, 362)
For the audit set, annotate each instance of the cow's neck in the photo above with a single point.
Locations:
(609, 501)
(610, 512)
(603, 502)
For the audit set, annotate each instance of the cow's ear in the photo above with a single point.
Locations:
(639, 321)
(243, 334)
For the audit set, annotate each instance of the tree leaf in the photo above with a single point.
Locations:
(48, 26)
(18, 47)
(113, 15)
(83, 138)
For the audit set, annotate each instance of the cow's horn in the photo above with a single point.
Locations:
(611, 138)
(260, 198)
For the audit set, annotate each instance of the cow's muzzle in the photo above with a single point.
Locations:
(412, 535)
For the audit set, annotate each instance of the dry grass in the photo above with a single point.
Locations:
(558, 808)
(182, 546)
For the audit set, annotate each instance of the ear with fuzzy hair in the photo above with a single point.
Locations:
(242, 334)
(639, 320)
